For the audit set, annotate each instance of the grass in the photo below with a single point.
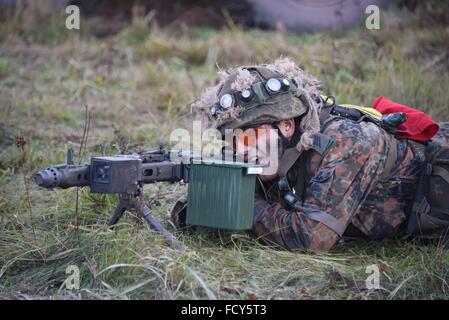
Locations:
(138, 85)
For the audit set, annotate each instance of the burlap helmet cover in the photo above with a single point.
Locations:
(285, 105)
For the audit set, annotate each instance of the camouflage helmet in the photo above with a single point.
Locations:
(250, 96)
(268, 98)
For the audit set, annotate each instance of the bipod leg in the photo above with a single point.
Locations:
(122, 206)
(158, 227)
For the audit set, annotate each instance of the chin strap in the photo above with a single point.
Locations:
(321, 143)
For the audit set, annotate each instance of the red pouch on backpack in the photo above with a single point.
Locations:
(418, 126)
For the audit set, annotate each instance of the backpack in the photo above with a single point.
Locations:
(430, 210)
(429, 215)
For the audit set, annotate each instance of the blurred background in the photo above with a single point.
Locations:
(136, 66)
(144, 62)
(291, 15)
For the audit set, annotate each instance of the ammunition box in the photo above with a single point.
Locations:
(221, 195)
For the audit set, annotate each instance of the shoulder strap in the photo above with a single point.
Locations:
(392, 155)
(302, 178)
(320, 216)
(288, 159)
(324, 114)
(421, 206)
(440, 171)
(321, 143)
(328, 220)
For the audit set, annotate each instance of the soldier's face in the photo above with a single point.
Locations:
(262, 146)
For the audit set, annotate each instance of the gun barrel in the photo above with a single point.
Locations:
(63, 176)
(44, 178)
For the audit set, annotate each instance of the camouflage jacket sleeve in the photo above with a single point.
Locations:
(341, 180)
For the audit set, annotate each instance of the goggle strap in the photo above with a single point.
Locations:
(259, 91)
(266, 73)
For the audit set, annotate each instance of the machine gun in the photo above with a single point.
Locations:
(121, 174)
(220, 193)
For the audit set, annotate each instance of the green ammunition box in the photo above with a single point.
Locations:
(221, 195)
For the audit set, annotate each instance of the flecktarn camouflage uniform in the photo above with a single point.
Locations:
(345, 183)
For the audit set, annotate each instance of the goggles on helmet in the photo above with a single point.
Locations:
(254, 95)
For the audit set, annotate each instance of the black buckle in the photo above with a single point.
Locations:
(292, 199)
(283, 185)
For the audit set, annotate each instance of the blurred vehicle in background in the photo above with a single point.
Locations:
(290, 15)
(310, 15)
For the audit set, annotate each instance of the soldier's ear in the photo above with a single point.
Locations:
(287, 127)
